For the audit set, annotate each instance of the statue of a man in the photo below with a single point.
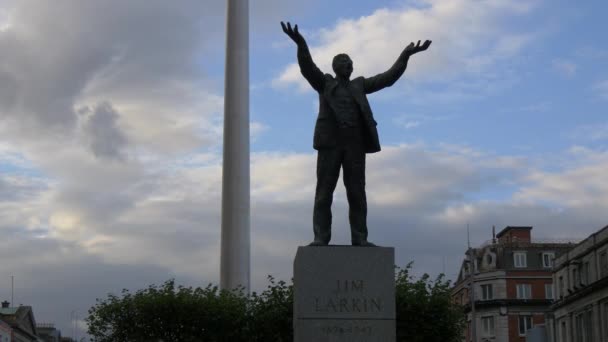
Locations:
(344, 132)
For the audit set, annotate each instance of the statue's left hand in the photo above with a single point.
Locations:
(293, 33)
(412, 49)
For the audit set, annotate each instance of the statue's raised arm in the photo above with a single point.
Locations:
(389, 77)
(309, 70)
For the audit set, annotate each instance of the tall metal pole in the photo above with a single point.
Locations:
(75, 326)
(72, 325)
(235, 248)
(472, 296)
(472, 287)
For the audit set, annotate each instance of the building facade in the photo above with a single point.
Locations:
(580, 312)
(513, 285)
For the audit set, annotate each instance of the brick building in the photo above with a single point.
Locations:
(580, 312)
(513, 285)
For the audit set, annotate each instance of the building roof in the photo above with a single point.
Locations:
(582, 248)
(8, 311)
(498, 251)
(20, 319)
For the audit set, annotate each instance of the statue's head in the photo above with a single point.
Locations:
(342, 65)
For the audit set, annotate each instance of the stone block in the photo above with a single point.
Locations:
(344, 293)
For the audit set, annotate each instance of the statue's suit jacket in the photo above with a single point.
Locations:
(326, 127)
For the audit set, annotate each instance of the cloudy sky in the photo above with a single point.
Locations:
(111, 126)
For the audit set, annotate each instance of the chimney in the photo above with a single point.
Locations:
(515, 234)
(5, 304)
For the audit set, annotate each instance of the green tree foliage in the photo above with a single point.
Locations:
(174, 313)
(169, 313)
(425, 311)
(271, 313)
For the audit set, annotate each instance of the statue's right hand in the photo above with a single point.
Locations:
(415, 48)
(293, 33)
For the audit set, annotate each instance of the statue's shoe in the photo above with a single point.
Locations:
(318, 243)
(364, 244)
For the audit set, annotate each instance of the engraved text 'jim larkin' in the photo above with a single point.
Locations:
(348, 297)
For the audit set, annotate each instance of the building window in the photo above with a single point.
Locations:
(487, 292)
(605, 320)
(603, 264)
(589, 326)
(519, 259)
(487, 326)
(524, 291)
(575, 280)
(585, 272)
(549, 291)
(561, 286)
(564, 333)
(583, 327)
(548, 258)
(525, 323)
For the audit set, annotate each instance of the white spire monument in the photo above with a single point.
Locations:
(235, 248)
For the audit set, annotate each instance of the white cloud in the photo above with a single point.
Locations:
(411, 121)
(411, 124)
(582, 185)
(104, 107)
(591, 52)
(536, 107)
(564, 67)
(592, 132)
(256, 129)
(468, 36)
(164, 222)
(117, 54)
(601, 89)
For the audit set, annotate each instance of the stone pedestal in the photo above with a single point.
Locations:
(344, 293)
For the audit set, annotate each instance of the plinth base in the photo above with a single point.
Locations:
(344, 293)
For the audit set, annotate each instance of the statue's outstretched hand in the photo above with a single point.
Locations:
(293, 33)
(412, 49)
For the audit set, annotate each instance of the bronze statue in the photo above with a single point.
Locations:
(344, 132)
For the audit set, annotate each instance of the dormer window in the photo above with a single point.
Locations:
(548, 258)
(520, 260)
